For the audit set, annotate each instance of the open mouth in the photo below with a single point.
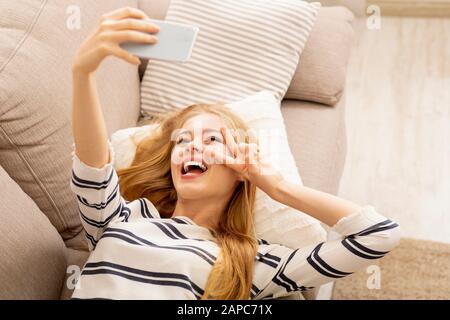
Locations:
(193, 168)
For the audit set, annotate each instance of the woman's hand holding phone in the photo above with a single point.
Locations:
(122, 25)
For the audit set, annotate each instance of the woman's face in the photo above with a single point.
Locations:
(194, 175)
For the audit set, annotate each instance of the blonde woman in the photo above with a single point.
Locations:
(179, 222)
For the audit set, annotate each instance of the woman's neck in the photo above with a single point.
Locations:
(205, 213)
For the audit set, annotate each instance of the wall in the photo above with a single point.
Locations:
(357, 6)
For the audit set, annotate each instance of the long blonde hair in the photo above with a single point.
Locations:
(149, 176)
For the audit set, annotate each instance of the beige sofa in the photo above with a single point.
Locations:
(40, 230)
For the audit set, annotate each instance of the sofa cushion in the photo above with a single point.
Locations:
(242, 47)
(32, 253)
(38, 39)
(320, 74)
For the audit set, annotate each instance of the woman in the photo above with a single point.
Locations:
(179, 225)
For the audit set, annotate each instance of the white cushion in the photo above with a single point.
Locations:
(243, 47)
(274, 222)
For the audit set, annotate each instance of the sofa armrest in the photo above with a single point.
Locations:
(317, 137)
(318, 141)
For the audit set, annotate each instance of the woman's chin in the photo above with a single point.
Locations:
(193, 191)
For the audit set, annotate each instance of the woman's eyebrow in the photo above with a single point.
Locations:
(182, 131)
(206, 130)
(178, 132)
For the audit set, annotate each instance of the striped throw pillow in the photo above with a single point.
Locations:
(243, 47)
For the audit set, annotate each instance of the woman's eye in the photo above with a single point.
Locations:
(214, 139)
(181, 140)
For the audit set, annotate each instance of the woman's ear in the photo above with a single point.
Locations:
(240, 177)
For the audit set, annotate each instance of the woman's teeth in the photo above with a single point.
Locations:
(194, 166)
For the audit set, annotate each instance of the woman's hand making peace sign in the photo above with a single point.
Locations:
(247, 161)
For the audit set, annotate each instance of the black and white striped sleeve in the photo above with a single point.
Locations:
(98, 195)
(365, 237)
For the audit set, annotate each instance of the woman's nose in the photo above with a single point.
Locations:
(196, 145)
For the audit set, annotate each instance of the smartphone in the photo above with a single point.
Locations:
(175, 42)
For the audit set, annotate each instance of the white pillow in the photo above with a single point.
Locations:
(243, 46)
(274, 222)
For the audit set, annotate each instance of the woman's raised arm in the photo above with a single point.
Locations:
(245, 159)
(89, 129)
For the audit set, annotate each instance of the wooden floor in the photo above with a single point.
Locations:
(398, 118)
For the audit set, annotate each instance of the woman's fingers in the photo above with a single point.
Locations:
(126, 12)
(248, 152)
(105, 39)
(130, 24)
(252, 153)
(129, 36)
(219, 157)
(123, 54)
(229, 141)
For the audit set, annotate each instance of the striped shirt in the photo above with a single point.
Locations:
(136, 254)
